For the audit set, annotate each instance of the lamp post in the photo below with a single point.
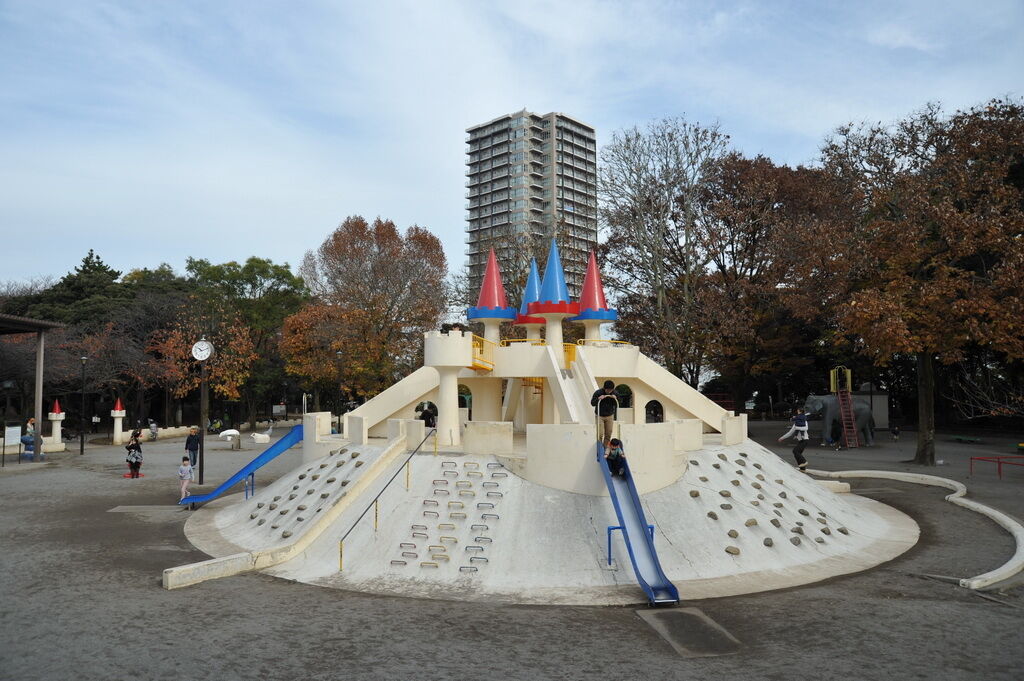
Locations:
(81, 420)
(202, 351)
(338, 404)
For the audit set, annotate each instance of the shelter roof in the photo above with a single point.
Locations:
(13, 324)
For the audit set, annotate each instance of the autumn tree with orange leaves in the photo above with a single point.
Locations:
(939, 263)
(176, 369)
(379, 291)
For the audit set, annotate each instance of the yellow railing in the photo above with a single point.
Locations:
(570, 353)
(584, 341)
(533, 341)
(483, 353)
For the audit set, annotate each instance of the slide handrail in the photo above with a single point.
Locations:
(663, 584)
(290, 439)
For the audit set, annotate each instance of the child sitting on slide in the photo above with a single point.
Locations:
(616, 458)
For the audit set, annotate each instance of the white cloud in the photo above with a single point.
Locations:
(899, 37)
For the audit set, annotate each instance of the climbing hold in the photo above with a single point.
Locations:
(797, 530)
(260, 505)
(695, 462)
(800, 498)
(776, 522)
(743, 453)
(795, 541)
(262, 520)
(732, 550)
(735, 482)
(778, 512)
(324, 495)
(825, 530)
(339, 464)
(355, 455)
(755, 503)
(781, 482)
(292, 496)
(761, 497)
(741, 462)
(316, 476)
(803, 511)
(284, 511)
(273, 506)
(302, 476)
(759, 477)
(725, 493)
(344, 482)
(799, 523)
(739, 472)
(274, 527)
(819, 540)
(733, 533)
(295, 486)
(782, 495)
(715, 465)
(755, 485)
(277, 498)
(300, 518)
(821, 520)
(712, 515)
(768, 541)
(843, 530)
(358, 464)
(821, 513)
(323, 465)
(702, 479)
(751, 522)
(722, 457)
(725, 507)
(757, 466)
(286, 534)
(694, 493)
(777, 504)
(309, 491)
(252, 516)
(302, 507)
(330, 480)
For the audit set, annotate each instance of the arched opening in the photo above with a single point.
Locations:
(466, 399)
(654, 412)
(625, 396)
(427, 412)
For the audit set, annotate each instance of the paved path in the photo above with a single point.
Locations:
(82, 597)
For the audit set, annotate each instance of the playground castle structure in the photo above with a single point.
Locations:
(514, 501)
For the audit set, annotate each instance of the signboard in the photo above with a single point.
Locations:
(12, 435)
(279, 410)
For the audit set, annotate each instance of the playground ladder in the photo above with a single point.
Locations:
(846, 416)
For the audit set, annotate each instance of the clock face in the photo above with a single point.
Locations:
(202, 350)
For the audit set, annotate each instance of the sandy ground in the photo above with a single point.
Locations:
(82, 596)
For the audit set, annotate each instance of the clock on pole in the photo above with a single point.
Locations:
(202, 351)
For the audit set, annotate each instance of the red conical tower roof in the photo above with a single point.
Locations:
(492, 292)
(592, 295)
(118, 406)
(56, 407)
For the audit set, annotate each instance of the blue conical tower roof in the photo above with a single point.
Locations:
(553, 289)
(532, 291)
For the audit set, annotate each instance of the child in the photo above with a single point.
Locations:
(134, 448)
(799, 427)
(616, 457)
(185, 475)
(895, 432)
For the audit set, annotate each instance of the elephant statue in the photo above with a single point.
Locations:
(827, 406)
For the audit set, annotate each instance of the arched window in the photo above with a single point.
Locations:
(654, 412)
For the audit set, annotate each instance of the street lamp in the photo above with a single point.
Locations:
(338, 356)
(81, 420)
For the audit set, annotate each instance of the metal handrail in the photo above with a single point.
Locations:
(433, 431)
(584, 341)
(535, 341)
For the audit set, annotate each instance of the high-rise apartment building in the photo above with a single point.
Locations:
(531, 174)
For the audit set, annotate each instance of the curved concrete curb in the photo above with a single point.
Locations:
(1007, 569)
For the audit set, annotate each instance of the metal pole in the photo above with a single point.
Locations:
(81, 434)
(204, 406)
(40, 349)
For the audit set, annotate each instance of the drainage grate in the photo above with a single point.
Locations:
(690, 632)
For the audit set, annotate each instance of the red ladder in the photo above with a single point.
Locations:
(846, 416)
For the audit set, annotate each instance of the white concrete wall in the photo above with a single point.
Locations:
(488, 437)
(688, 435)
(563, 457)
(316, 425)
(734, 429)
(650, 449)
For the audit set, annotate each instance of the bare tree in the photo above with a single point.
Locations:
(650, 184)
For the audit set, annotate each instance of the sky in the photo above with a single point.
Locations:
(152, 131)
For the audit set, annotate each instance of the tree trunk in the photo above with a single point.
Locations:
(316, 399)
(925, 455)
(252, 406)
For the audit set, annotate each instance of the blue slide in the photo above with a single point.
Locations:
(291, 438)
(639, 541)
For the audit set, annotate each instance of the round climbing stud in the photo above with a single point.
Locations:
(825, 530)
(732, 550)
(284, 511)
(252, 516)
(819, 540)
(260, 505)
(781, 482)
(768, 541)
(755, 502)
(777, 504)
(735, 482)
(262, 520)
(302, 507)
(323, 465)
(725, 493)
(803, 511)
(800, 498)
(315, 476)
(309, 491)
(743, 454)
(694, 493)
(761, 497)
(330, 480)
(286, 534)
(741, 462)
(702, 479)
(723, 457)
(725, 507)
(782, 495)
(733, 533)
(842, 530)
(776, 522)
(822, 521)
(302, 476)
(750, 522)
(695, 462)
(273, 506)
(797, 530)
(277, 498)
(795, 541)
(292, 496)
(294, 487)
(324, 495)
(759, 477)
(716, 465)
(755, 485)
(712, 515)
(757, 466)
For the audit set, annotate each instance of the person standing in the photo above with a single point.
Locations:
(606, 406)
(134, 448)
(192, 445)
(799, 428)
(185, 476)
(29, 438)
